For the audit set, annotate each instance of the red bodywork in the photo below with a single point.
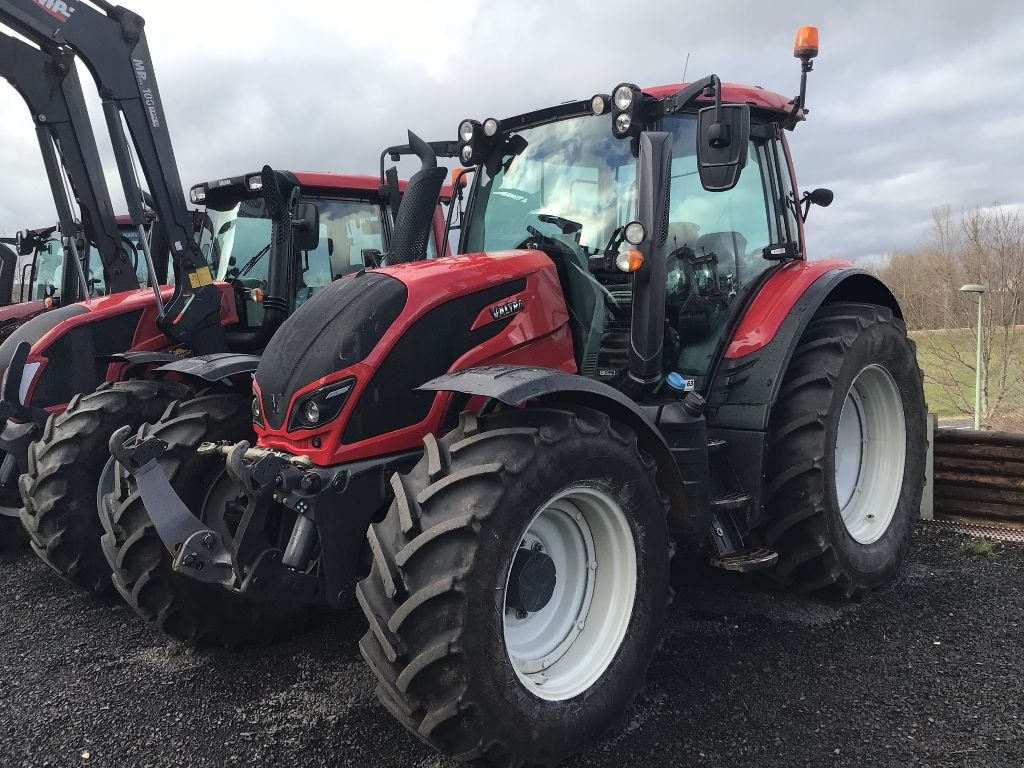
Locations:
(147, 338)
(537, 335)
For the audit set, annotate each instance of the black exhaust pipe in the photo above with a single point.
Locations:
(413, 224)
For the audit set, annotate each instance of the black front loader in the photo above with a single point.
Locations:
(111, 41)
(49, 84)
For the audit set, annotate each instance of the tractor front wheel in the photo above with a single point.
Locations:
(65, 467)
(518, 585)
(847, 453)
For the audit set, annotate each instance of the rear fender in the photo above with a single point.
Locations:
(516, 385)
(746, 386)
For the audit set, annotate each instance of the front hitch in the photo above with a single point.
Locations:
(200, 552)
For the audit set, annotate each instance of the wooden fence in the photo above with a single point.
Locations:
(979, 474)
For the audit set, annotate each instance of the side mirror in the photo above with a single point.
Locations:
(306, 226)
(723, 134)
(821, 196)
(25, 243)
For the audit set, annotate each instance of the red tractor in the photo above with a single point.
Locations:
(633, 349)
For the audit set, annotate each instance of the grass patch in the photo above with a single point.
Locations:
(933, 347)
(977, 548)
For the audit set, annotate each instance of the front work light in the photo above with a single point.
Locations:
(490, 127)
(198, 194)
(627, 103)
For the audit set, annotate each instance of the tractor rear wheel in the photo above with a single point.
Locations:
(175, 604)
(847, 453)
(65, 467)
(518, 585)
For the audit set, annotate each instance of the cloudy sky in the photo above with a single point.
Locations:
(913, 104)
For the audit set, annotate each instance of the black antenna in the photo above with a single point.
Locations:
(686, 66)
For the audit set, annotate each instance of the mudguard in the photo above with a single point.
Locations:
(515, 385)
(747, 385)
(213, 367)
(140, 358)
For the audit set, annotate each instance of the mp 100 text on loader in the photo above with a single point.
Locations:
(640, 351)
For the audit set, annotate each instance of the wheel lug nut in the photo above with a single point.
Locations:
(521, 614)
(538, 547)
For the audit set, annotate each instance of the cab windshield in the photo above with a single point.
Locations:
(567, 186)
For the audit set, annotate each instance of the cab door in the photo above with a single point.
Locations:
(716, 245)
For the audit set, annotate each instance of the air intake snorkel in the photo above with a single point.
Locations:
(414, 221)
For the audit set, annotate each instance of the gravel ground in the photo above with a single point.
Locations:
(927, 672)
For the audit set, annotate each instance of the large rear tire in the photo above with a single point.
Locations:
(177, 605)
(60, 511)
(847, 453)
(518, 585)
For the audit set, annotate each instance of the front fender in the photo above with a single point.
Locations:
(517, 385)
(216, 367)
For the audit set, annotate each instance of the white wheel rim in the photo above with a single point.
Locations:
(871, 452)
(561, 650)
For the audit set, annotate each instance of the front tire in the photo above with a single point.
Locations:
(65, 465)
(566, 493)
(181, 607)
(847, 452)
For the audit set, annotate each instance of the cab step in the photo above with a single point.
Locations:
(727, 502)
(747, 560)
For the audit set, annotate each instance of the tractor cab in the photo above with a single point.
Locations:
(564, 181)
(234, 231)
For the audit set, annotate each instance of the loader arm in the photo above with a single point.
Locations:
(111, 42)
(49, 84)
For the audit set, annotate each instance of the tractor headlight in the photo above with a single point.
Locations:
(321, 405)
(198, 194)
(490, 127)
(466, 131)
(311, 412)
(599, 104)
(254, 183)
(257, 415)
(466, 154)
(623, 122)
(634, 233)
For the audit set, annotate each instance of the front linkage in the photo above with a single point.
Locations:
(333, 508)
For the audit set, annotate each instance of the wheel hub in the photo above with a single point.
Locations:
(531, 581)
(569, 594)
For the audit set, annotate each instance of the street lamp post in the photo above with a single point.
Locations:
(980, 290)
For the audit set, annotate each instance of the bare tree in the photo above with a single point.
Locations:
(982, 246)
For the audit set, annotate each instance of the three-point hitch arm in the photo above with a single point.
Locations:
(111, 42)
(49, 84)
